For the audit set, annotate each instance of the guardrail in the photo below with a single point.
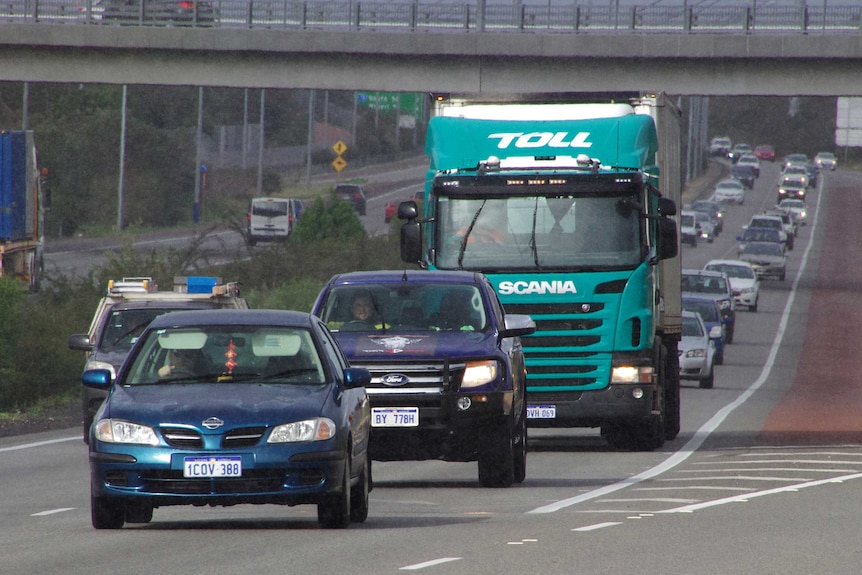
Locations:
(416, 16)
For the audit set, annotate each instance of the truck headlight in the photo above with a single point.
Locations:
(479, 373)
(630, 374)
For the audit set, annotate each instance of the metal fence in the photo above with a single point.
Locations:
(464, 17)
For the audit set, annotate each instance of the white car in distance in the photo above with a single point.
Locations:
(729, 191)
(796, 208)
(743, 281)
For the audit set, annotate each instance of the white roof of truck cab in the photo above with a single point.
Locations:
(541, 112)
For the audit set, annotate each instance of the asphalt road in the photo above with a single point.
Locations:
(763, 478)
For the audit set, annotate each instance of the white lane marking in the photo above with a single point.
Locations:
(52, 511)
(39, 444)
(432, 563)
(734, 478)
(649, 500)
(695, 487)
(748, 496)
(597, 526)
(712, 424)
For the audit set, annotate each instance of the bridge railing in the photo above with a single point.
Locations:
(415, 16)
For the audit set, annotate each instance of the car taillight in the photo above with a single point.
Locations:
(187, 5)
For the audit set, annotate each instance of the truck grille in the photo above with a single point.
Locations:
(561, 354)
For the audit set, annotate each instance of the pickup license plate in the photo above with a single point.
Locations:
(541, 412)
(212, 466)
(395, 417)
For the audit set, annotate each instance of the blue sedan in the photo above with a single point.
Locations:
(227, 407)
(711, 314)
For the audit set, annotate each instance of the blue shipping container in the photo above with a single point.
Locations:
(16, 186)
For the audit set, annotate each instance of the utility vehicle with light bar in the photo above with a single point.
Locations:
(129, 305)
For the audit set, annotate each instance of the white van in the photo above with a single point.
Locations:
(271, 219)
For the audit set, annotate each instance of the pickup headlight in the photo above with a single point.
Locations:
(119, 431)
(479, 373)
(316, 429)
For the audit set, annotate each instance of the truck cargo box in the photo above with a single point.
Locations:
(17, 186)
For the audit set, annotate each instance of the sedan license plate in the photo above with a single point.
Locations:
(395, 417)
(212, 466)
(541, 412)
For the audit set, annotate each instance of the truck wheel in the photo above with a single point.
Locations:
(671, 393)
(497, 456)
(649, 433)
(106, 513)
(640, 436)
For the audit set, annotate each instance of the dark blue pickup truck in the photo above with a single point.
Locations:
(448, 372)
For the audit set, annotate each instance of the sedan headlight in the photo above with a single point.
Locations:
(119, 431)
(316, 429)
(479, 373)
(700, 352)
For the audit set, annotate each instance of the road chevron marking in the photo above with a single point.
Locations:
(431, 563)
(692, 445)
(765, 492)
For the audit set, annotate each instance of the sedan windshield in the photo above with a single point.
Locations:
(271, 354)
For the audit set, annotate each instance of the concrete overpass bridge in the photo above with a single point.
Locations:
(480, 48)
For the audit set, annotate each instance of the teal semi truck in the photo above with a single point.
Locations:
(571, 211)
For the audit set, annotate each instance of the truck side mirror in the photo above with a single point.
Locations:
(408, 210)
(666, 207)
(668, 243)
(411, 233)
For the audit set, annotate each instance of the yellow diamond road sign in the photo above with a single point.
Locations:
(339, 164)
(339, 147)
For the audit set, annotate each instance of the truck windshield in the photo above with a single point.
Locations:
(538, 232)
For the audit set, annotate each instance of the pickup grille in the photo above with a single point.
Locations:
(420, 377)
